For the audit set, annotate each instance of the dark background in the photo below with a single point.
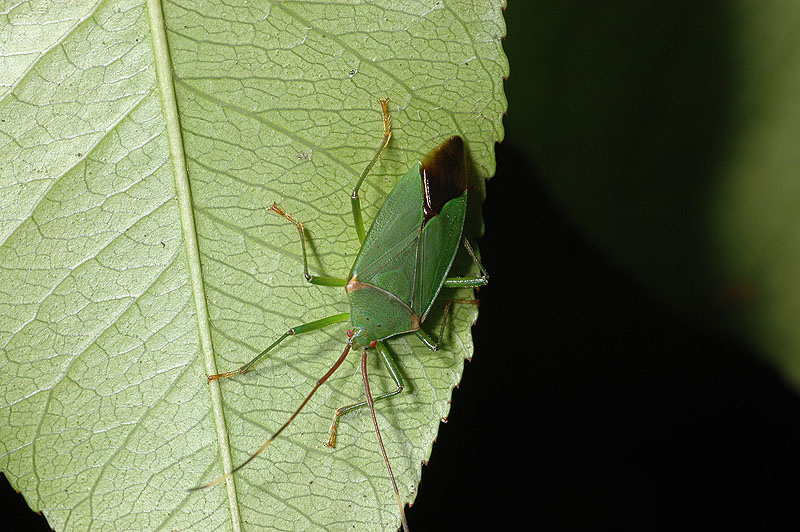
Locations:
(590, 404)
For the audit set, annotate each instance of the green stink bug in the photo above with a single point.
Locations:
(397, 275)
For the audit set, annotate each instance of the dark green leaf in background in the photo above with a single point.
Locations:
(668, 133)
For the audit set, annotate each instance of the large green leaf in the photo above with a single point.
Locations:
(119, 290)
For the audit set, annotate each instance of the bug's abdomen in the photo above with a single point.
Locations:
(378, 311)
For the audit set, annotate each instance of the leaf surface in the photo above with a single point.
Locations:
(138, 157)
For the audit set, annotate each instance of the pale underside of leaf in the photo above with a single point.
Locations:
(137, 254)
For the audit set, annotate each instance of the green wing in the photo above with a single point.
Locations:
(436, 250)
(388, 256)
(404, 260)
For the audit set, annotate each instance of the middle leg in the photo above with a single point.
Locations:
(294, 331)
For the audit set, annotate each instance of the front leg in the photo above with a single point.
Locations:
(313, 279)
(355, 202)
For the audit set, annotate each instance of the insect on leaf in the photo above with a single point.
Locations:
(141, 145)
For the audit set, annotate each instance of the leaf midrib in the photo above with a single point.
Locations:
(166, 86)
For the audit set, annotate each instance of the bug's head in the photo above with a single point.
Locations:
(360, 339)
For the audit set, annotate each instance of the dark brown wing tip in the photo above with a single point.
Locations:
(447, 153)
(444, 174)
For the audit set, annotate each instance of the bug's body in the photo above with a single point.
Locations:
(400, 269)
(408, 250)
